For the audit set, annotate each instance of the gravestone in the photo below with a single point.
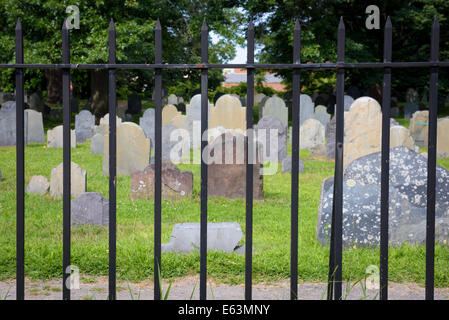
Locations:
(90, 208)
(78, 179)
(261, 105)
(411, 96)
(311, 134)
(443, 138)
(147, 123)
(287, 165)
(185, 237)
(84, 125)
(271, 125)
(175, 184)
(134, 104)
(216, 97)
(133, 150)
(330, 138)
(168, 113)
(306, 108)
(74, 104)
(354, 92)
(407, 201)
(55, 138)
(97, 144)
(321, 115)
(400, 136)
(348, 101)
(419, 127)
(258, 98)
(228, 113)
(103, 127)
(8, 124)
(7, 96)
(122, 108)
(34, 126)
(175, 144)
(394, 112)
(172, 99)
(275, 107)
(228, 178)
(36, 102)
(410, 109)
(38, 185)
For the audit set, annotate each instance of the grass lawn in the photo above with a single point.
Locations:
(271, 259)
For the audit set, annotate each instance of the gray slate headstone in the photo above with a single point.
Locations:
(147, 122)
(185, 237)
(134, 104)
(287, 165)
(8, 124)
(407, 207)
(90, 208)
(84, 125)
(97, 144)
(269, 123)
(34, 126)
(306, 108)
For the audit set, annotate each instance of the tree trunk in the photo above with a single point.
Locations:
(99, 92)
(54, 86)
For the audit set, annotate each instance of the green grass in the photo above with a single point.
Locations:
(135, 223)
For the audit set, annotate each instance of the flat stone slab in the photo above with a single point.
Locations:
(90, 208)
(185, 237)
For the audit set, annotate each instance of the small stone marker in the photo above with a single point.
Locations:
(34, 126)
(411, 96)
(38, 185)
(419, 127)
(321, 115)
(90, 208)
(271, 125)
(443, 138)
(78, 181)
(185, 237)
(276, 107)
(134, 104)
(172, 99)
(84, 125)
(175, 184)
(287, 165)
(311, 134)
(133, 150)
(228, 113)
(55, 138)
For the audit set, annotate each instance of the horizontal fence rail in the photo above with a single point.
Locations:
(336, 248)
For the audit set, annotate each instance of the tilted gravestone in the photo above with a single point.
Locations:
(407, 206)
(78, 179)
(134, 104)
(227, 168)
(271, 126)
(276, 107)
(90, 208)
(133, 150)
(185, 237)
(175, 184)
(84, 125)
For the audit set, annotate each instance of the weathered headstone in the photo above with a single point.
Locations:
(321, 115)
(103, 127)
(227, 168)
(330, 138)
(147, 123)
(419, 127)
(34, 126)
(175, 184)
(443, 138)
(78, 179)
(8, 124)
(407, 206)
(90, 208)
(38, 185)
(410, 109)
(172, 99)
(185, 237)
(97, 144)
(84, 125)
(311, 134)
(272, 126)
(348, 101)
(400, 136)
(275, 106)
(411, 96)
(394, 112)
(228, 113)
(36, 102)
(133, 150)
(258, 98)
(354, 92)
(306, 108)
(134, 104)
(74, 104)
(55, 138)
(287, 165)
(168, 113)
(175, 144)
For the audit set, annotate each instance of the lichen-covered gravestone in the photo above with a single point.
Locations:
(228, 113)
(223, 236)
(38, 185)
(407, 206)
(270, 126)
(311, 134)
(84, 125)
(90, 208)
(133, 150)
(55, 138)
(78, 179)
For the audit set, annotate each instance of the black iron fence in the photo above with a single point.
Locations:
(335, 256)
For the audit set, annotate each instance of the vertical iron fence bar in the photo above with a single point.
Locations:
(385, 167)
(295, 163)
(250, 157)
(431, 163)
(204, 127)
(66, 191)
(112, 164)
(20, 169)
(158, 161)
(337, 214)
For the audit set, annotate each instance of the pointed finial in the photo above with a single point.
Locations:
(297, 25)
(158, 24)
(250, 25)
(64, 25)
(388, 23)
(19, 24)
(436, 23)
(341, 25)
(111, 24)
(204, 27)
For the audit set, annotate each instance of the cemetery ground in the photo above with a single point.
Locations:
(135, 227)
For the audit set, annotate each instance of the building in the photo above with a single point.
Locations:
(233, 77)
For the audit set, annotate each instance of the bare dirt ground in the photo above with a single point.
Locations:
(96, 288)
